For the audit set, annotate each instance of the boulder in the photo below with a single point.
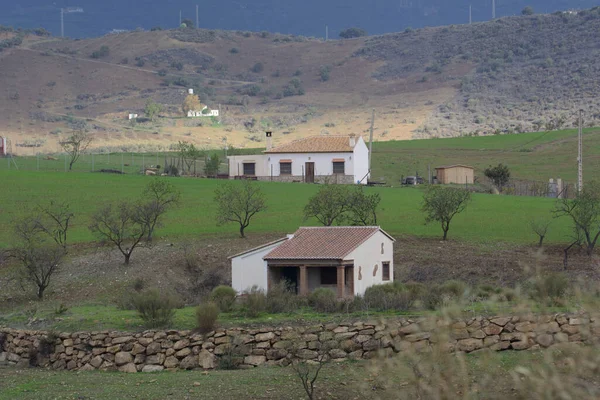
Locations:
(153, 368)
(122, 358)
(207, 360)
(138, 349)
(190, 362)
(180, 344)
(153, 348)
(263, 337)
(122, 339)
(469, 345)
(306, 354)
(545, 340)
(96, 362)
(128, 368)
(183, 352)
(492, 329)
(87, 367)
(171, 362)
(255, 360)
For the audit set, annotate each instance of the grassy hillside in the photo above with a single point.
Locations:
(512, 74)
(488, 219)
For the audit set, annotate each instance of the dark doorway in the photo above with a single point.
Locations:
(289, 275)
(309, 172)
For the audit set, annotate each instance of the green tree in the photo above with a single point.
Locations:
(211, 165)
(362, 207)
(152, 109)
(188, 23)
(527, 11)
(76, 144)
(584, 212)
(325, 72)
(328, 205)
(239, 203)
(499, 175)
(441, 204)
(352, 33)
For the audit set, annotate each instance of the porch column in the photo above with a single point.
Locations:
(341, 282)
(303, 281)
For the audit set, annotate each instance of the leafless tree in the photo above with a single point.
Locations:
(308, 374)
(239, 203)
(158, 197)
(121, 225)
(540, 228)
(76, 144)
(41, 244)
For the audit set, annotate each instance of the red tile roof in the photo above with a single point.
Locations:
(316, 144)
(323, 243)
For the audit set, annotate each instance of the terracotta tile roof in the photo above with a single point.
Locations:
(257, 248)
(454, 166)
(323, 243)
(316, 144)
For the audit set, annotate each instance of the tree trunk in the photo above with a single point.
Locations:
(445, 234)
(541, 241)
(127, 256)
(242, 227)
(40, 292)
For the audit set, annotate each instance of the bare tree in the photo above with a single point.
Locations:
(42, 243)
(121, 225)
(540, 228)
(308, 374)
(328, 205)
(158, 197)
(584, 212)
(441, 204)
(76, 144)
(239, 203)
(362, 207)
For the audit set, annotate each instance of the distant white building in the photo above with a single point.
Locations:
(345, 259)
(133, 116)
(336, 159)
(202, 113)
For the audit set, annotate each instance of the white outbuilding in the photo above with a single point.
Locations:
(345, 259)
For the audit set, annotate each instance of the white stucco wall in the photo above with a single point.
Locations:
(236, 167)
(323, 162)
(367, 256)
(361, 162)
(250, 269)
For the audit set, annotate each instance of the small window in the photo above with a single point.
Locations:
(382, 248)
(285, 168)
(385, 271)
(338, 167)
(328, 276)
(249, 169)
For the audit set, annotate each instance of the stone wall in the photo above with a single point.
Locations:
(152, 351)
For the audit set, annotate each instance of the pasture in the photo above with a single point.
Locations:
(488, 219)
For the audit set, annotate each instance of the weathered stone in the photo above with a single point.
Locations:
(87, 367)
(522, 344)
(153, 348)
(371, 345)
(113, 349)
(545, 340)
(561, 337)
(98, 350)
(356, 355)
(276, 354)
(171, 362)
(525, 326)
(350, 345)
(145, 341)
(500, 346)
(123, 358)
(578, 321)
(459, 334)
(128, 368)
(222, 349)
(190, 362)
(255, 360)
(207, 360)
(306, 354)
(59, 349)
(263, 345)
(140, 358)
(345, 335)
(340, 329)
(478, 334)
(570, 329)
(152, 368)
(123, 339)
(469, 345)
(362, 338)
(550, 327)
(166, 344)
(155, 359)
(412, 328)
(417, 337)
(500, 320)
(258, 352)
(337, 354)
(180, 344)
(97, 361)
(492, 329)
(222, 340)
(71, 365)
(183, 352)
(325, 336)
(262, 337)
(491, 340)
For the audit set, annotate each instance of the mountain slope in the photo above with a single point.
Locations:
(509, 75)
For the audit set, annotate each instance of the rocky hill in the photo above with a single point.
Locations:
(513, 74)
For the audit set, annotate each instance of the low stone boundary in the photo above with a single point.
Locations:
(152, 351)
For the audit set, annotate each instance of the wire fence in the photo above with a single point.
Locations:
(552, 189)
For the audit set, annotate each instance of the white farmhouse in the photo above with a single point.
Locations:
(346, 259)
(337, 159)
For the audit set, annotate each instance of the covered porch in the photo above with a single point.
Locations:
(306, 276)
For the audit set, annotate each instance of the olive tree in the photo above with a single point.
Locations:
(239, 203)
(441, 204)
(362, 207)
(328, 205)
(76, 144)
(158, 197)
(499, 175)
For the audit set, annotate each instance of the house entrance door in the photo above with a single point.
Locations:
(309, 172)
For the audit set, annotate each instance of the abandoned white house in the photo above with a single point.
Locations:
(337, 159)
(346, 259)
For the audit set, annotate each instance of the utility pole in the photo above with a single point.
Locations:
(197, 26)
(64, 11)
(371, 139)
(493, 9)
(326, 32)
(580, 157)
(179, 17)
(470, 14)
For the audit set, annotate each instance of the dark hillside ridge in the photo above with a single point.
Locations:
(307, 18)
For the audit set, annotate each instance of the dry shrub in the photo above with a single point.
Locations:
(255, 302)
(155, 309)
(282, 298)
(323, 300)
(550, 289)
(390, 296)
(224, 297)
(206, 317)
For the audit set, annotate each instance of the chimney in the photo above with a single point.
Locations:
(190, 91)
(269, 140)
(352, 140)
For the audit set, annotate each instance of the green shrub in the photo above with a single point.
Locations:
(224, 297)
(433, 297)
(323, 300)
(453, 288)
(156, 310)
(255, 302)
(389, 296)
(206, 316)
(257, 68)
(282, 298)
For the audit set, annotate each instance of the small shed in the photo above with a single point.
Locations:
(459, 174)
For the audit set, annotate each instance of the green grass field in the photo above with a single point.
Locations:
(488, 219)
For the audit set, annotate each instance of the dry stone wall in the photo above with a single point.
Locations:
(153, 351)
